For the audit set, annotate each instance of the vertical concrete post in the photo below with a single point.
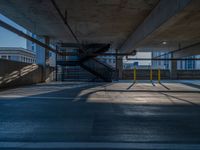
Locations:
(40, 53)
(56, 65)
(47, 42)
(173, 70)
(42, 56)
(46, 67)
(119, 65)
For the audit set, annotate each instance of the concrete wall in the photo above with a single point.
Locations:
(188, 74)
(14, 74)
(144, 74)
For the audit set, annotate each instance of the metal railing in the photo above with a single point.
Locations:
(99, 69)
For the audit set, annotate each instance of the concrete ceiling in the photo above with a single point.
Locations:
(101, 21)
(118, 22)
(182, 29)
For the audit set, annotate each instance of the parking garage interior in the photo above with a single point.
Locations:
(100, 74)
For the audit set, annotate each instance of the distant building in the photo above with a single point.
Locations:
(36, 49)
(130, 65)
(31, 45)
(163, 64)
(139, 64)
(181, 64)
(17, 54)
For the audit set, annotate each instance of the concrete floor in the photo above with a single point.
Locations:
(103, 115)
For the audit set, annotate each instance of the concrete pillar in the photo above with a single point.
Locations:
(173, 70)
(46, 72)
(119, 66)
(47, 42)
(42, 56)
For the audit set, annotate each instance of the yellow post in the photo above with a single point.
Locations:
(159, 77)
(151, 75)
(134, 74)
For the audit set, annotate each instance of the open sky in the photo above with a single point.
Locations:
(9, 39)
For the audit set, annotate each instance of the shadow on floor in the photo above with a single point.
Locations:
(180, 99)
(164, 86)
(65, 120)
(131, 85)
(191, 85)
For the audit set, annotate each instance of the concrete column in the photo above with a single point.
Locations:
(119, 66)
(47, 42)
(46, 72)
(42, 53)
(173, 70)
(42, 56)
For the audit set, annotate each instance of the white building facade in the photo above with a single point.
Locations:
(181, 64)
(17, 54)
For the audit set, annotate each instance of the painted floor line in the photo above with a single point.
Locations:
(88, 145)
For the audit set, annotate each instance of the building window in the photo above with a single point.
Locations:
(15, 58)
(33, 47)
(181, 65)
(190, 64)
(4, 57)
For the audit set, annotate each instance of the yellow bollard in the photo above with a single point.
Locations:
(134, 74)
(151, 75)
(159, 77)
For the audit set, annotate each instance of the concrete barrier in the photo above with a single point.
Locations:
(144, 74)
(188, 74)
(14, 74)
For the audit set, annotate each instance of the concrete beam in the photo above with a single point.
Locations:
(20, 33)
(159, 15)
(188, 51)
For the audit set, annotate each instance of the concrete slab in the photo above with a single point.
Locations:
(145, 116)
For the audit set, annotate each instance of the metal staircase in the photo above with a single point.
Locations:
(83, 66)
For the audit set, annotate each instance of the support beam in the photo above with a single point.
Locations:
(47, 42)
(120, 68)
(66, 23)
(164, 59)
(97, 54)
(20, 33)
(119, 65)
(42, 57)
(182, 52)
(188, 51)
(173, 69)
(161, 13)
(70, 45)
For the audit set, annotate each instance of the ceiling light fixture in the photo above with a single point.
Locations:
(164, 42)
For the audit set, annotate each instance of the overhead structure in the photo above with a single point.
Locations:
(156, 20)
(126, 25)
(91, 21)
(122, 26)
